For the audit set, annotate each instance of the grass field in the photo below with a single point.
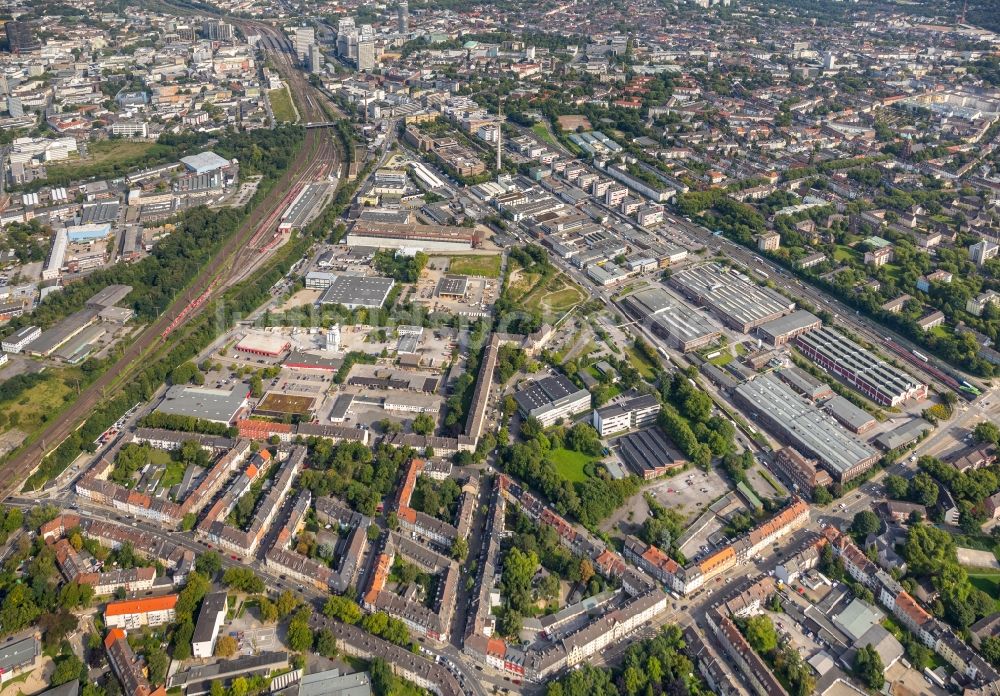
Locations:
(108, 154)
(554, 298)
(174, 472)
(523, 284)
(542, 131)
(487, 265)
(569, 463)
(640, 363)
(843, 253)
(722, 359)
(281, 105)
(36, 405)
(988, 583)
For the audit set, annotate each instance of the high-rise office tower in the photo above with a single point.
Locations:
(347, 34)
(366, 53)
(315, 59)
(304, 38)
(21, 37)
(217, 30)
(403, 17)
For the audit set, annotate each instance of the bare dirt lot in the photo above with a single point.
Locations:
(573, 121)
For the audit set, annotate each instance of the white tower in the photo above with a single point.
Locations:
(499, 138)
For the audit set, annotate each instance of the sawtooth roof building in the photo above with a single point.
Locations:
(881, 382)
(802, 425)
(742, 304)
(683, 327)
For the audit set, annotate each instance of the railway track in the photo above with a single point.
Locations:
(231, 262)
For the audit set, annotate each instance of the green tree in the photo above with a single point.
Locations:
(460, 549)
(68, 668)
(987, 432)
(868, 667)
(761, 635)
(990, 648)
(286, 603)
(423, 424)
(268, 610)
(865, 522)
(181, 641)
(157, 663)
(923, 490)
(343, 609)
(300, 637)
(326, 644)
(821, 495)
(209, 564)
(896, 487)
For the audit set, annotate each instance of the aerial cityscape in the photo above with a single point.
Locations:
(473, 347)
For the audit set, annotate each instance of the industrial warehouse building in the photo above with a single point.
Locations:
(669, 317)
(204, 162)
(799, 423)
(550, 399)
(421, 237)
(741, 304)
(783, 329)
(875, 378)
(51, 339)
(18, 341)
(354, 291)
(648, 453)
(267, 345)
(216, 405)
(452, 286)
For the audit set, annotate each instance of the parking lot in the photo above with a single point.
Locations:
(688, 492)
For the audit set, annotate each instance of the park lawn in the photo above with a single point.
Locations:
(562, 300)
(281, 105)
(542, 131)
(639, 362)
(843, 253)
(893, 271)
(569, 463)
(487, 265)
(160, 457)
(557, 297)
